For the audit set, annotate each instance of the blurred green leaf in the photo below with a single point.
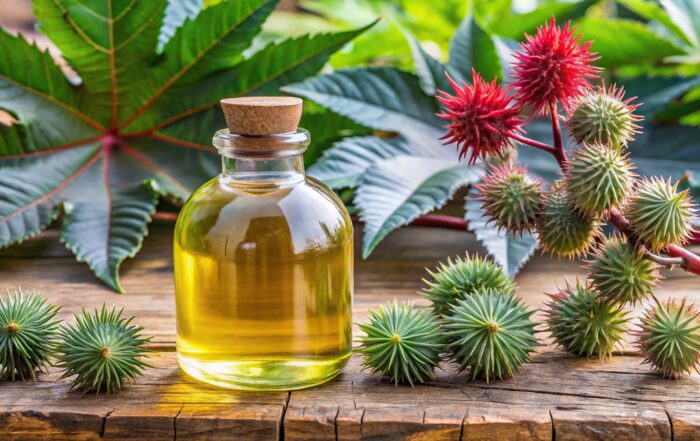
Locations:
(651, 10)
(620, 42)
(516, 25)
(655, 93)
(472, 48)
(686, 15)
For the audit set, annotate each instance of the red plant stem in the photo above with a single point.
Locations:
(441, 221)
(536, 144)
(559, 152)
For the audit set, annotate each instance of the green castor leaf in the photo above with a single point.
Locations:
(511, 198)
(401, 343)
(603, 116)
(659, 214)
(103, 350)
(491, 333)
(459, 278)
(563, 230)
(669, 338)
(28, 334)
(584, 324)
(620, 273)
(598, 178)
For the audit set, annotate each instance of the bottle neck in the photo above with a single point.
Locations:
(262, 161)
(265, 171)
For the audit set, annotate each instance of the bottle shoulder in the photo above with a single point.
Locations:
(308, 214)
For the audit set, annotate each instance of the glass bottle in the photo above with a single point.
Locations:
(263, 260)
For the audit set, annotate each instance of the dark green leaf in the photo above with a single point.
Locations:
(396, 191)
(344, 163)
(377, 97)
(326, 128)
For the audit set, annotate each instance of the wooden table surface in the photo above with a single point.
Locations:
(554, 397)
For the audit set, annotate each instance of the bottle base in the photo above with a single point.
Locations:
(264, 375)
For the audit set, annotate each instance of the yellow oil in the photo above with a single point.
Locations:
(263, 279)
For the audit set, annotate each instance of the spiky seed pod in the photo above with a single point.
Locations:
(459, 278)
(669, 338)
(401, 343)
(481, 118)
(553, 67)
(28, 334)
(620, 273)
(582, 323)
(604, 117)
(562, 229)
(103, 350)
(491, 333)
(659, 214)
(511, 198)
(598, 178)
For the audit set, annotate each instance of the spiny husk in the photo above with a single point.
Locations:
(401, 343)
(511, 198)
(103, 350)
(459, 278)
(582, 323)
(28, 334)
(620, 273)
(598, 178)
(603, 116)
(491, 333)
(659, 214)
(562, 229)
(669, 338)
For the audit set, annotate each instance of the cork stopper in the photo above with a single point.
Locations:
(262, 115)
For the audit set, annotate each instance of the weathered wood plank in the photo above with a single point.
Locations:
(607, 424)
(555, 397)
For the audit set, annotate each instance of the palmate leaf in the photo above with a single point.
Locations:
(138, 123)
(394, 192)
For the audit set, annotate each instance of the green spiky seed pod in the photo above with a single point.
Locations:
(562, 229)
(669, 338)
(491, 333)
(401, 343)
(584, 324)
(28, 334)
(511, 198)
(598, 178)
(603, 116)
(659, 214)
(460, 278)
(103, 350)
(620, 273)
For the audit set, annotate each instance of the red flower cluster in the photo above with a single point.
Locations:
(553, 67)
(481, 118)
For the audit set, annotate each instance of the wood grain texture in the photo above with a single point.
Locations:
(554, 397)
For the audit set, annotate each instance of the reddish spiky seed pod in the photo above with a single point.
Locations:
(481, 116)
(553, 67)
